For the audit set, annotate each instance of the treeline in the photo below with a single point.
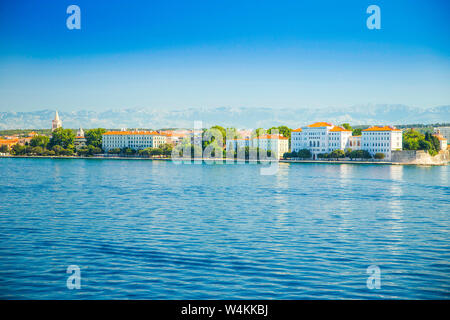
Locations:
(61, 143)
(335, 154)
(247, 153)
(164, 150)
(414, 140)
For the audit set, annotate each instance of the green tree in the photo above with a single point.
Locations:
(62, 137)
(347, 152)
(356, 132)
(94, 137)
(37, 150)
(336, 154)
(166, 149)
(114, 151)
(128, 151)
(346, 126)
(4, 148)
(39, 141)
(18, 149)
(379, 156)
(57, 149)
(304, 154)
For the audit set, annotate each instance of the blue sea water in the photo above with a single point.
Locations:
(141, 229)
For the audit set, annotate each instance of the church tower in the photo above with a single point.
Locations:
(56, 123)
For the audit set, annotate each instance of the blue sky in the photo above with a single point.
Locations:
(208, 53)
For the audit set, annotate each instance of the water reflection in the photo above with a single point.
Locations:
(280, 198)
(395, 203)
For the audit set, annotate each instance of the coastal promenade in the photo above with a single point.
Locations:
(371, 162)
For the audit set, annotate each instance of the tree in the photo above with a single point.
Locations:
(128, 151)
(66, 152)
(346, 126)
(57, 149)
(304, 154)
(347, 152)
(360, 154)
(94, 137)
(62, 137)
(356, 132)
(379, 156)
(4, 148)
(18, 149)
(114, 151)
(338, 153)
(166, 149)
(221, 131)
(39, 141)
(37, 150)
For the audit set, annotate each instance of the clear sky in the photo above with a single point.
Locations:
(208, 53)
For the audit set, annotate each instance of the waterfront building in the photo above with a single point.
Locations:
(238, 143)
(354, 142)
(383, 139)
(175, 137)
(320, 137)
(80, 140)
(135, 140)
(324, 137)
(276, 143)
(9, 142)
(443, 131)
(442, 141)
(56, 123)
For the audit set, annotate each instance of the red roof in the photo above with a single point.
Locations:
(320, 124)
(385, 128)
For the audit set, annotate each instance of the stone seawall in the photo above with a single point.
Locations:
(420, 157)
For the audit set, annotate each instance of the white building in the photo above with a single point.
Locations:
(320, 137)
(135, 140)
(443, 131)
(382, 140)
(56, 123)
(238, 143)
(324, 137)
(442, 141)
(354, 142)
(276, 143)
(80, 140)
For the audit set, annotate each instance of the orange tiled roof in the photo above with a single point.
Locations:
(297, 130)
(338, 129)
(134, 133)
(385, 128)
(319, 124)
(8, 141)
(441, 138)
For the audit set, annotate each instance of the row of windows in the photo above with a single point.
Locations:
(376, 144)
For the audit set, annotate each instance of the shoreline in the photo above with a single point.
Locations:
(224, 160)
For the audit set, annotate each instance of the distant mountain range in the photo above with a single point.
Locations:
(240, 117)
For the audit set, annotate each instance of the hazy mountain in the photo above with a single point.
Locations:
(240, 117)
